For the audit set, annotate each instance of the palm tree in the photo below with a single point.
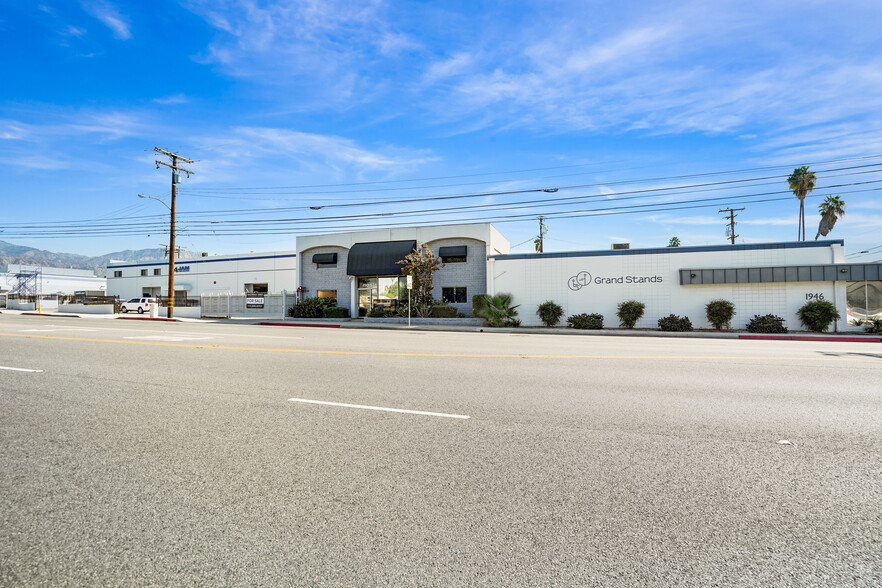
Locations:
(831, 209)
(801, 181)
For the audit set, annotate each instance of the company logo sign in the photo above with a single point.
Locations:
(583, 279)
(182, 268)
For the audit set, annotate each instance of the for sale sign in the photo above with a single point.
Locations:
(253, 302)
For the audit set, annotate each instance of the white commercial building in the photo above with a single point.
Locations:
(759, 279)
(268, 273)
(361, 270)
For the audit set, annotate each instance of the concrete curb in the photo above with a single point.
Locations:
(146, 318)
(325, 326)
(350, 324)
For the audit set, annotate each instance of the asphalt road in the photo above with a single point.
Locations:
(147, 453)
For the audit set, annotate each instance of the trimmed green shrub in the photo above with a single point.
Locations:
(336, 312)
(672, 322)
(629, 313)
(311, 308)
(817, 315)
(874, 326)
(549, 312)
(586, 321)
(443, 311)
(720, 313)
(768, 323)
(379, 313)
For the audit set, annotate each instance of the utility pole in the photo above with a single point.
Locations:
(732, 216)
(176, 178)
(540, 241)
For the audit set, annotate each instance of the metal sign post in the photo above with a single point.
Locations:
(409, 286)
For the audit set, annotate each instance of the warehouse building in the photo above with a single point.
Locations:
(361, 270)
(261, 273)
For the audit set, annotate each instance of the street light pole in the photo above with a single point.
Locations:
(176, 177)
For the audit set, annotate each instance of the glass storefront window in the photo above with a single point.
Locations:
(864, 301)
(384, 292)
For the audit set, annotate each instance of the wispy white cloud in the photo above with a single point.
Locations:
(288, 154)
(168, 100)
(72, 31)
(670, 71)
(110, 16)
(325, 47)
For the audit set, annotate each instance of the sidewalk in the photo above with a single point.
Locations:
(850, 336)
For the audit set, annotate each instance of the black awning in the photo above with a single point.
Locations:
(378, 259)
(460, 251)
(324, 258)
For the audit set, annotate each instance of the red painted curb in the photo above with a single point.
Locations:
(146, 318)
(298, 325)
(805, 338)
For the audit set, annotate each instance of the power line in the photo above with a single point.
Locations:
(705, 174)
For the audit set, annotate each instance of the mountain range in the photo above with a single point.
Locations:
(10, 253)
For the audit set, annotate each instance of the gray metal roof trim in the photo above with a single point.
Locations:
(669, 250)
(199, 260)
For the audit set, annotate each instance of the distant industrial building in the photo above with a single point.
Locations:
(32, 280)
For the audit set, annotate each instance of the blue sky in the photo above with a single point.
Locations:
(387, 105)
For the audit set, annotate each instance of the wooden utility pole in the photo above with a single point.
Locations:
(540, 242)
(176, 178)
(732, 216)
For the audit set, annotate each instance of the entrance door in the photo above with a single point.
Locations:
(367, 294)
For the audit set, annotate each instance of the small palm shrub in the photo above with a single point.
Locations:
(768, 323)
(549, 312)
(586, 321)
(720, 313)
(629, 313)
(496, 311)
(672, 322)
(817, 315)
(874, 326)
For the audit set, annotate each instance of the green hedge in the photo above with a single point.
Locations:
(629, 312)
(767, 323)
(549, 312)
(672, 322)
(586, 321)
(720, 313)
(443, 311)
(817, 315)
(311, 308)
(336, 312)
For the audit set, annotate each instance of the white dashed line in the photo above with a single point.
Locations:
(12, 369)
(420, 412)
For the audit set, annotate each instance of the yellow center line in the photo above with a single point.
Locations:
(410, 354)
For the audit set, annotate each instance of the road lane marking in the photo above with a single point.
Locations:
(381, 408)
(168, 338)
(55, 330)
(812, 358)
(12, 369)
